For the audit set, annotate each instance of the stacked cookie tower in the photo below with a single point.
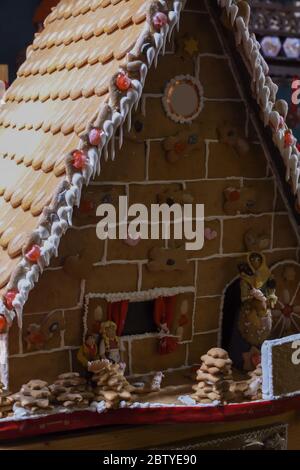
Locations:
(5, 403)
(111, 385)
(35, 396)
(71, 391)
(213, 377)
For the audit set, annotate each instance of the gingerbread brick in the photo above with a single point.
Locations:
(79, 242)
(129, 164)
(210, 193)
(240, 227)
(203, 29)
(113, 278)
(55, 290)
(277, 256)
(42, 365)
(145, 357)
(211, 69)
(217, 273)
(191, 166)
(284, 234)
(264, 193)
(207, 314)
(199, 346)
(224, 161)
(74, 327)
(151, 280)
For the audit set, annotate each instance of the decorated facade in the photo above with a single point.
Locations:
(162, 102)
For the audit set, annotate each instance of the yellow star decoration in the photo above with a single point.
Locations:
(191, 46)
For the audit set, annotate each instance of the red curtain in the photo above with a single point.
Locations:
(117, 312)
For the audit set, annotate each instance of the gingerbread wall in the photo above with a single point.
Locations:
(141, 171)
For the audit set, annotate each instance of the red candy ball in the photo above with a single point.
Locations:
(159, 20)
(9, 297)
(95, 136)
(79, 159)
(123, 82)
(3, 324)
(288, 139)
(33, 254)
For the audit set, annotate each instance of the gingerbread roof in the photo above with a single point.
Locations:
(60, 89)
(82, 77)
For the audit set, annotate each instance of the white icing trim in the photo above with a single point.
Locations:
(141, 295)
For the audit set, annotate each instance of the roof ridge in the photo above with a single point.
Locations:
(125, 91)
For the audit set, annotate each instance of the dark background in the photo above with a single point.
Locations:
(16, 29)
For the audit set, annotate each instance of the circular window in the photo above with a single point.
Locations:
(183, 98)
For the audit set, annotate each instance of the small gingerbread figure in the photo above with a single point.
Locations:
(88, 351)
(110, 346)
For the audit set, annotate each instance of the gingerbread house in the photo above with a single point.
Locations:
(159, 101)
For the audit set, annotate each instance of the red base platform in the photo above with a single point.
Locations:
(81, 420)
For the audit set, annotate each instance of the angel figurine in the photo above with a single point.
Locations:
(258, 298)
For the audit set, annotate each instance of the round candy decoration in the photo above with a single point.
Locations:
(159, 20)
(183, 98)
(123, 82)
(33, 254)
(9, 297)
(79, 159)
(291, 47)
(95, 136)
(271, 46)
(288, 138)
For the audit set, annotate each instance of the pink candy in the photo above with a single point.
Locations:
(159, 20)
(95, 136)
